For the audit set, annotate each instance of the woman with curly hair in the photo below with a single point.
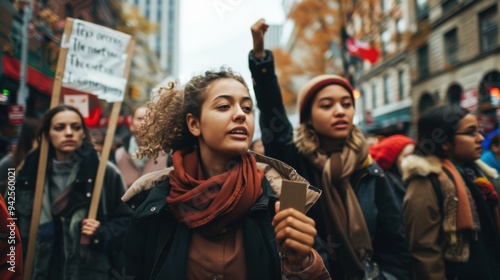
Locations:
(451, 212)
(358, 215)
(214, 214)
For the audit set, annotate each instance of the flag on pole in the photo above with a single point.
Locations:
(362, 50)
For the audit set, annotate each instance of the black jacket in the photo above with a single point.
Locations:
(156, 242)
(375, 195)
(105, 246)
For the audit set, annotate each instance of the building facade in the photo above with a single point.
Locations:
(459, 60)
(164, 43)
(431, 52)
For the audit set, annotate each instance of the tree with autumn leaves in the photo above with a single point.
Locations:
(319, 25)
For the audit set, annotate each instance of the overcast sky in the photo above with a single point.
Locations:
(217, 32)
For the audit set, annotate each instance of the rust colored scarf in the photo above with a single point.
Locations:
(344, 218)
(212, 204)
(464, 213)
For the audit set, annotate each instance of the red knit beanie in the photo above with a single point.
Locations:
(311, 88)
(387, 151)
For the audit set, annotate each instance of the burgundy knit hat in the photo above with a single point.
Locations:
(311, 88)
(387, 151)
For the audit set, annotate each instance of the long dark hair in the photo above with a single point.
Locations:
(44, 128)
(26, 138)
(436, 127)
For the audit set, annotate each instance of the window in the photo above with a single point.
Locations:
(386, 89)
(422, 8)
(400, 27)
(148, 9)
(374, 96)
(401, 84)
(386, 41)
(448, 5)
(489, 29)
(423, 61)
(451, 46)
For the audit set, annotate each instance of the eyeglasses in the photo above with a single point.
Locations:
(471, 133)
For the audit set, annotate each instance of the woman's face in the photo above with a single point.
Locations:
(467, 145)
(66, 133)
(226, 125)
(332, 113)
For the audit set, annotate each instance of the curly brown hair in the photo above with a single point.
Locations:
(165, 127)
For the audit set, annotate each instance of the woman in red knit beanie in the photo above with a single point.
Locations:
(358, 214)
(389, 153)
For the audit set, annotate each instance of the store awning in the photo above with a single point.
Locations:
(393, 122)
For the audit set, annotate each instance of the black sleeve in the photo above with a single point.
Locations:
(277, 131)
(390, 248)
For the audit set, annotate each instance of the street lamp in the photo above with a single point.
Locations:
(22, 94)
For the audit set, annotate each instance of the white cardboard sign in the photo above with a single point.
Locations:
(96, 61)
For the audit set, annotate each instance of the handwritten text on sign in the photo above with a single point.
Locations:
(96, 61)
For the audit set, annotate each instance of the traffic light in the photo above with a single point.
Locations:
(495, 92)
(356, 93)
(4, 97)
(494, 96)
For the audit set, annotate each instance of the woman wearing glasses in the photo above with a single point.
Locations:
(450, 209)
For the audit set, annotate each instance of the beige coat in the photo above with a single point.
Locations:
(422, 216)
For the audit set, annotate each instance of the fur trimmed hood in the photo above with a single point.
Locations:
(421, 166)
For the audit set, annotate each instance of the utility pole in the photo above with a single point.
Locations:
(23, 92)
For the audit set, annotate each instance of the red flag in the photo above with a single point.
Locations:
(362, 50)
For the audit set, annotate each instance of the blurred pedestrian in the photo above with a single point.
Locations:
(131, 167)
(258, 147)
(491, 149)
(70, 175)
(14, 159)
(371, 140)
(389, 153)
(214, 212)
(451, 207)
(358, 212)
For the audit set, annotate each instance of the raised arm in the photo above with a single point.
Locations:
(277, 131)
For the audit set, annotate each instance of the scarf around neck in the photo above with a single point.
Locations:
(212, 204)
(344, 218)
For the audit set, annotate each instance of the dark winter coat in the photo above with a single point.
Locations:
(59, 254)
(157, 245)
(375, 195)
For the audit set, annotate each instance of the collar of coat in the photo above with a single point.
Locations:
(422, 166)
(274, 170)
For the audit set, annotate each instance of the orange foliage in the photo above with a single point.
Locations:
(317, 24)
(286, 68)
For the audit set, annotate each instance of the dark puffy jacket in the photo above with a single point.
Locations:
(61, 235)
(156, 242)
(374, 193)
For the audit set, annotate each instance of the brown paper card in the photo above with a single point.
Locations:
(293, 195)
